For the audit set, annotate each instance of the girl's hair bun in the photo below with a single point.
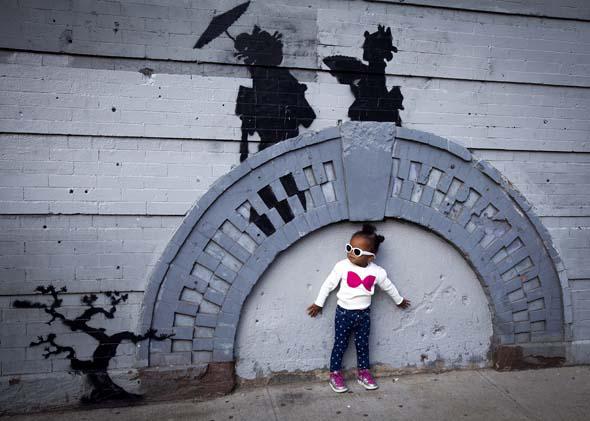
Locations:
(379, 239)
(369, 229)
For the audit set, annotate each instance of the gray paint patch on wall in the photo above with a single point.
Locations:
(449, 322)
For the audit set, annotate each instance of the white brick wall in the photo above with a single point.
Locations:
(83, 252)
(574, 9)
(20, 327)
(558, 184)
(431, 40)
(120, 232)
(67, 100)
(98, 163)
(581, 304)
(96, 175)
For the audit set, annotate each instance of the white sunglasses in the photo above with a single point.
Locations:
(357, 251)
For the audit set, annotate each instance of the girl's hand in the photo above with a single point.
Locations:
(404, 304)
(313, 310)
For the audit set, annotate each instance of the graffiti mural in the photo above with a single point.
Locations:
(95, 369)
(275, 106)
(373, 101)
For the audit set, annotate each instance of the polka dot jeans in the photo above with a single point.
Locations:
(347, 321)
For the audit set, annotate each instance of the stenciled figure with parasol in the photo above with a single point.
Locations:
(275, 105)
(373, 101)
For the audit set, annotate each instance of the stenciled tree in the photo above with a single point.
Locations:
(96, 369)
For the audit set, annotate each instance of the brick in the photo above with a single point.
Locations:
(73, 155)
(203, 344)
(121, 156)
(170, 359)
(26, 367)
(214, 296)
(207, 320)
(168, 208)
(117, 208)
(33, 180)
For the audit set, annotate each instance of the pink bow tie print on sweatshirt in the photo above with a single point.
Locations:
(354, 281)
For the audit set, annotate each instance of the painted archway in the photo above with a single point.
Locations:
(233, 233)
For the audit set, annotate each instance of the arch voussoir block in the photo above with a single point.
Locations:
(358, 171)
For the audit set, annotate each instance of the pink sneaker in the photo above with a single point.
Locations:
(365, 379)
(337, 382)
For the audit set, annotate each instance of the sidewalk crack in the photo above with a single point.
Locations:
(525, 411)
(272, 404)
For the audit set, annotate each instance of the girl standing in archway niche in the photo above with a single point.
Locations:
(353, 310)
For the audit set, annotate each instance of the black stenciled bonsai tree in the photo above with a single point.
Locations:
(96, 369)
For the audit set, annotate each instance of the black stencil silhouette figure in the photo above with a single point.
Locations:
(275, 105)
(373, 101)
(103, 387)
(274, 108)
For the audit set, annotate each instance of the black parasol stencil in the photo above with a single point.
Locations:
(219, 24)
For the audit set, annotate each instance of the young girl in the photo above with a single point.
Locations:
(353, 312)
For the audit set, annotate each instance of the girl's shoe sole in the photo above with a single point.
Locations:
(367, 387)
(337, 391)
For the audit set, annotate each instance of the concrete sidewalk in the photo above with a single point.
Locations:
(548, 394)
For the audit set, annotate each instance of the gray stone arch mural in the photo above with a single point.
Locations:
(358, 171)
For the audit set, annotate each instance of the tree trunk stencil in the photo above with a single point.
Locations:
(95, 369)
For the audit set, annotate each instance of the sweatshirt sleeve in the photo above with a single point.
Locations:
(329, 284)
(387, 286)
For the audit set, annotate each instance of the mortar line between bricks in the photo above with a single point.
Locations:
(144, 60)
(272, 404)
(178, 215)
(524, 410)
(93, 214)
(34, 294)
(143, 215)
(182, 215)
(254, 142)
(120, 136)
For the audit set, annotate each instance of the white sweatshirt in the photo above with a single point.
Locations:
(357, 285)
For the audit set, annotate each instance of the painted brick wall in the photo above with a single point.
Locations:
(48, 97)
(100, 159)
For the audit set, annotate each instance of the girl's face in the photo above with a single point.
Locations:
(364, 244)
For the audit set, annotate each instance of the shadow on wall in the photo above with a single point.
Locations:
(448, 326)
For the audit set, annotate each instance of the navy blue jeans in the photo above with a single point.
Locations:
(347, 321)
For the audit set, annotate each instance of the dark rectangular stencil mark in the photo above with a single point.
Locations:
(262, 222)
(288, 182)
(270, 200)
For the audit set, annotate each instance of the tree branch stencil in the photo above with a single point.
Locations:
(95, 369)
